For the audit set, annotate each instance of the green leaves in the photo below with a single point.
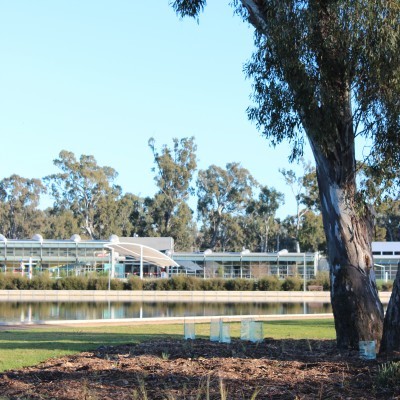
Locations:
(82, 187)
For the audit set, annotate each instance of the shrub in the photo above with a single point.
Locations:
(389, 374)
(116, 284)
(387, 286)
(239, 284)
(212, 284)
(41, 282)
(162, 284)
(72, 283)
(97, 283)
(271, 282)
(292, 283)
(149, 284)
(133, 283)
(16, 282)
(178, 283)
(321, 279)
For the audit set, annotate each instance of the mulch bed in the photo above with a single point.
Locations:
(200, 369)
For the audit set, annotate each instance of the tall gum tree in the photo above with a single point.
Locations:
(81, 186)
(328, 71)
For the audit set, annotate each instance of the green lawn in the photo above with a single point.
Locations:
(19, 348)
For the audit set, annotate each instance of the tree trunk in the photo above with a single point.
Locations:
(391, 328)
(356, 306)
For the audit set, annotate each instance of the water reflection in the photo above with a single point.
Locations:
(31, 312)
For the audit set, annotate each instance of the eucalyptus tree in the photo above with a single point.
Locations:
(222, 193)
(60, 224)
(174, 168)
(20, 217)
(263, 211)
(82, 186)
(311, 235)
(330, 70)
(305, 192)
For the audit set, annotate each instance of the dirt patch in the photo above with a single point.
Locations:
(200, 369)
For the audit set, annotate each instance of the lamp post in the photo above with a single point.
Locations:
(109, 270)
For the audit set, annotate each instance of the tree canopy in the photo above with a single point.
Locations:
(80, 187)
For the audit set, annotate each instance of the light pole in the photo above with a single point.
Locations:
(109, 270)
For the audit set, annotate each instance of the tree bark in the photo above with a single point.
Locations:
(391, 328)
(356, 305)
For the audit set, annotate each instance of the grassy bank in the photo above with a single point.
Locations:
(24, 347)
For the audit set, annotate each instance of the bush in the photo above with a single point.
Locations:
(292, 283)
(97, 283)
(269, 283)
(133, 283)
(212, 284)
(41, 282)
(116, 284)
(72, 283)
(388, 374)
(387, 286)
(239, 284)
(178, 283)
(150, 284)
(321, 279)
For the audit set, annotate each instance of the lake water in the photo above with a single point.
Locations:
(35, 311)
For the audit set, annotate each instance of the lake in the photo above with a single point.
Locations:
(13, 312)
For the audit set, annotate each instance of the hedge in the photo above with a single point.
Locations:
(180, 282)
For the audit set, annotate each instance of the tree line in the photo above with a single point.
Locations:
(234, 211)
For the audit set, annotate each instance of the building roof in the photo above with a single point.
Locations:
(139, 251)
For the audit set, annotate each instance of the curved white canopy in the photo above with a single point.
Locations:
(139, 251)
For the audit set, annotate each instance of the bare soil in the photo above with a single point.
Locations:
(200, 369)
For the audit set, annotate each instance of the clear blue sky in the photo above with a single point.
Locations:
(102, 77)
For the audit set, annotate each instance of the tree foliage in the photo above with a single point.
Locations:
(174, 172)
(262, 211)
(82, 187)
(222, 193)
(19, 199)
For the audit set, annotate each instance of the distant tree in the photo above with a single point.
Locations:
(222, 193)
(312, 236)
(127, 208)
(19, 215)
(60, 224)
(330, 70)
(82, 187)
(174, 172)
(262, 212)
(381, 195)
(296, 185)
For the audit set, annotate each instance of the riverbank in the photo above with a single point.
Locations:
(168, 296)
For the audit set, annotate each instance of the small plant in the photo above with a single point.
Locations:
(222, 390)
(389, 374)
(141, 393)
(255, 394)
(165, 356)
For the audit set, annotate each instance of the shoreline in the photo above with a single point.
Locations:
(161, 320)
(168, 296)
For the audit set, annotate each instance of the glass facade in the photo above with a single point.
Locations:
(249, 265)
(70, 257)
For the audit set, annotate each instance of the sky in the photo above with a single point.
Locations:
(100, 77)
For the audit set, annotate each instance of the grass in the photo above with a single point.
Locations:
(26, 347)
